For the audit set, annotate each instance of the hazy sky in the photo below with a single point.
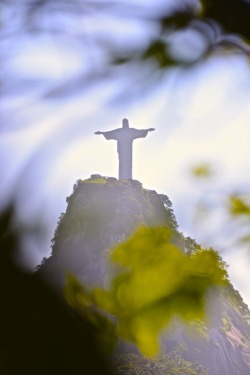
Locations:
(200, 115)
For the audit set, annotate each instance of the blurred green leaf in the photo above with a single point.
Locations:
(157, 281)
(239, 205)
(158, 51)
(81, 301)
(203, 170)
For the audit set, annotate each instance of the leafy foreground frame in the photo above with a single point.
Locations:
(155, 282)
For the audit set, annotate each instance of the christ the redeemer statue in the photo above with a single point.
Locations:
(124, 137)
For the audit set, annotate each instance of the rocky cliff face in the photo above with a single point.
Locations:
(102, 212)
(222, 343)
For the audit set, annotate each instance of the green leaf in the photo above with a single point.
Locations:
(239, 205)
(158, 51)
(82, 302)
(203, 170)
(157, 281)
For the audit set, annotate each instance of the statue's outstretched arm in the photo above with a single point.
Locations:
(148, 130)
(112, 134)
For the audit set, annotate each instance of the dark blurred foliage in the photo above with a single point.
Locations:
(233, 15)
(80, 300)
(40, 334)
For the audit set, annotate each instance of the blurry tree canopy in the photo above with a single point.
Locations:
(117, 37)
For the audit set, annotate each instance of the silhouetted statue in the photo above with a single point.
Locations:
(124, 137)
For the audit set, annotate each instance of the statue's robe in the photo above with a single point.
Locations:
(124, 138)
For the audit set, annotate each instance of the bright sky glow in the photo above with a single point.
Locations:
(47, 61)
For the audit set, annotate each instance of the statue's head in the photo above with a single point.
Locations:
(125, 123)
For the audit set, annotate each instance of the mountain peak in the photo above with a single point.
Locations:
(103, 211)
